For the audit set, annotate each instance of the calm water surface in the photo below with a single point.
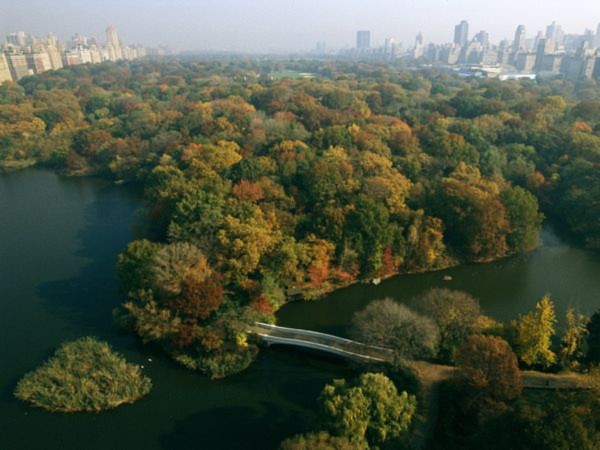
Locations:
(59, 238)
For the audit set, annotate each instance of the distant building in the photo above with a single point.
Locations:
(597, 37)
(419, 49)
(54, 56)
(483, 38)
(525, 62)
(516, 76)
(19, 68)
(112, 39)
(554, 37)
(551, 63)
(520, 42)
(489, 57)
(419, 39)
(461, 33)
(5, 74)
(450, 55)
(39, 62)
(541, 50)
(363, 40)
(16, 39)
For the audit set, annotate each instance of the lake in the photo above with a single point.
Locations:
(59, 238)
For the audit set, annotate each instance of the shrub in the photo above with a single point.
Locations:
(83, 375)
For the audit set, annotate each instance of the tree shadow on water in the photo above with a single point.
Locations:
(86, 299)
(234, 428)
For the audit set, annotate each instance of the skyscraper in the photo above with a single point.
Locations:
(111, 36)
(363, 40)
(483, 38)
(597, 40)
(554, 36)
(520, 39)
(461, 33)
(538, 37)
(419, 39)
(112, 40)
(542, 48)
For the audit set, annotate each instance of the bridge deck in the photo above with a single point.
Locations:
(326, 342)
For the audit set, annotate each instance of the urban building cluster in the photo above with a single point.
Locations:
(553, 53)
(23, 54)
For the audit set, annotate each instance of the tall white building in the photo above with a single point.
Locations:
(39, 62)
(112, 39)
(520, 44)
(5, 74)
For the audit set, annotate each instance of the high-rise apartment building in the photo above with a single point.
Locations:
(363, 40)
(537, 40)
(54, 56)
(525, 62)
(112, 40)
(520, 42)
(5, 74)
(17, 63)
(554, 36)
(16, 39)
(461, 33)
(39, 62)
(111, 36)
(542, 48)
(483, 38)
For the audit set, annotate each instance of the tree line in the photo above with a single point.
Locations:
(259, 190)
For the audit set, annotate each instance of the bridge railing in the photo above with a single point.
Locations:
(323, 347)
(346, 345)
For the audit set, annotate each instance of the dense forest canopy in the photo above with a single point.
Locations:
(260, 189)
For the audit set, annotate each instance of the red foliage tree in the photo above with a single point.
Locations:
(490, 366)
(185, 336)
(247, 191)
(388, 264)
(261, 304)
(200, 298)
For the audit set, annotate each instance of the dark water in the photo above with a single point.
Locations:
(58, 241)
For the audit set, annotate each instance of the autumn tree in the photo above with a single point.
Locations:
(134, 265)
(386, 323)
(371, 409)
(368, 232)
(321, 441)
(534, 334)
(242, 242)
(525, 219)
(476, 220)
(174, 264)
(454, 312)
(201, 295)
(490, 366)
(573, 343)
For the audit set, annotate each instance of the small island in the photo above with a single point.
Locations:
(85, 375)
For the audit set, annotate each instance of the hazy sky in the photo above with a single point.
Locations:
(281, 25)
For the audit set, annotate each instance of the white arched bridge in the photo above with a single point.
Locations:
(426, 371)
(273, 334)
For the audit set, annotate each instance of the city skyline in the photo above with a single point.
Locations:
(269, 26)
